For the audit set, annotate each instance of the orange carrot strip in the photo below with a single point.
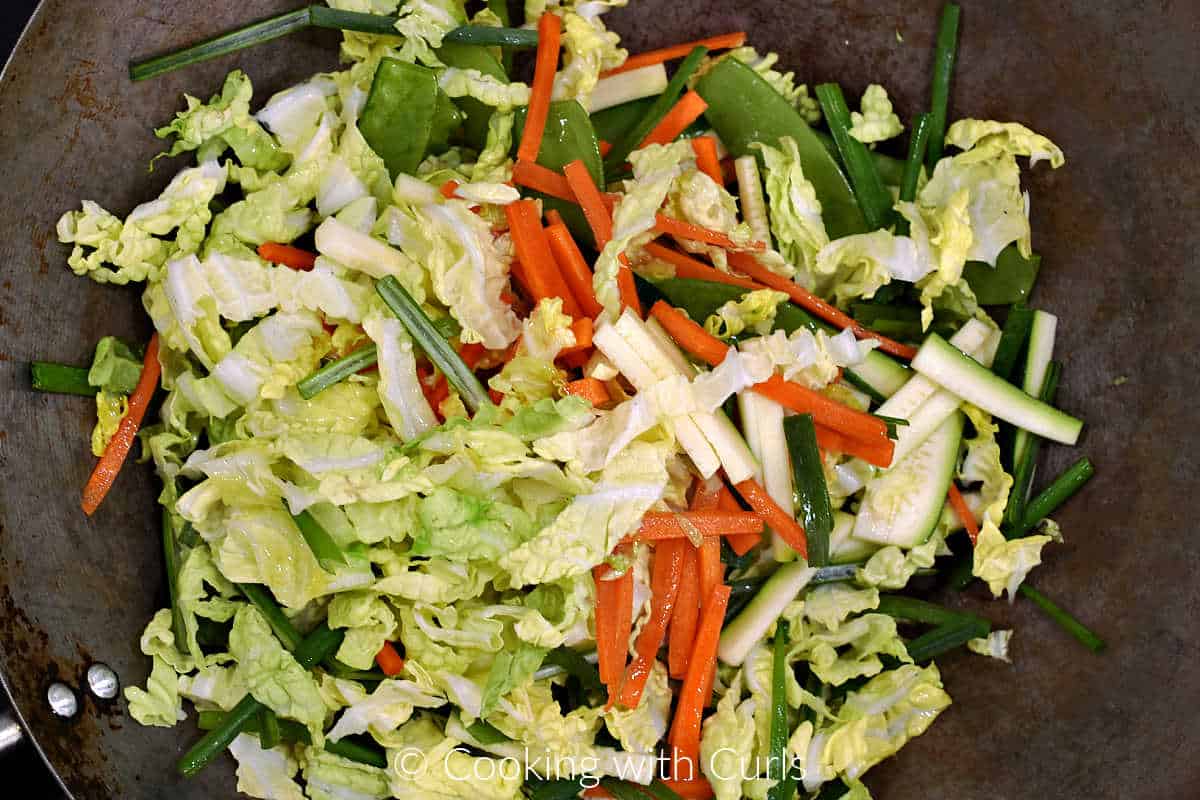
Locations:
(698, 788)
(780, 521)
(874, 450)
(686, 111)
(964, 513)
(809, 301)
(448, 189)
(685, 728)
(725, 41)
(553, 217)
(287, 255)
(605, 148)
(574, 268)
(590, 201)
(582, 329)
(658, 525)
(389, 660)
(538, 267)
(664, 588)
(741, 543)
(685, 617)
(688, 267)
(628, 288)
(534, 176)
(106, 469)
(546, 64)
(705, 148)
(697, 233)
(689, 335)
(590, 389)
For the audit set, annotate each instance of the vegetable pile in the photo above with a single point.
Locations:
(581, 436)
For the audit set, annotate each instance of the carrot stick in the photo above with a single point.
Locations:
(685, 617)
(590, 201)
(685, 728)
(705, 148)
(605, 148)
(708, 554)
(741, 543)
(389, 660)
(697, 233)
(964, 513)
(801, 399)
(725, 41)
(590, 389)
(780, 521)
(688, 267)
(448, 189)
(664, 588)
(628, 288)
(573, 267)
(546, 64)
(809, 301)
(287, 255)
(539, 270)
(106, 469)
(659, 525)
(874, 451)
(582, 328)
(534, 176)
(686, 111)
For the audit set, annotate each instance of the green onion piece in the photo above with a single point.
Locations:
(777, 741)
(248, 36)
(918, 142)
(813, 508)
(1012, 341)
(660, 791)
(266, 605)
(354, 751)
(321, 643)
(486, 733)
(616, 159)
(487, 36)
(944, 638)
(1063, 619)
(914, 610)
(873, 197)
(558, 789)
(268, 729)
(213, 743)
(357, 21)
(427, 338)
(337, 371)
(626, 790)
(328, 554)
(60, 379)
(289, 730)
(1023, 470)
(171, 559)
(1047, 502)
(943, 69)
(891, 170)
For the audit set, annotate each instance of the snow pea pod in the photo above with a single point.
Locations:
(398, 118)
(743, 109)
(613, 123)
(476, 114)
(1010, 281)
(569, 136)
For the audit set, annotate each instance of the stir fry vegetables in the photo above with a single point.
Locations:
(573, 437)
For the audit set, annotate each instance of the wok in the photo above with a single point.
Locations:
(1115, 84)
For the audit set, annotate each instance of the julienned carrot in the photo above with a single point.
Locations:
(708, 554)
(605, 148)
(780, 521)
(553, 217)
(597, 214)
(539, 270)
(628, 288)
(697, 341)
(664, 587)
(545, 66)
(287, 255)
(590, 389)
(705, 148)
(685, 728)
(612, 630)
(574, 269)
(688, 267)
(622, 629)
(959, 504)
(582, 328)
(389, 660)
(748, 264)
(106, 469)
(658, 525)
(686, 111)
(448, 189)
(697, 233)
(685, 617)
(723, 42)
(534, 176)
(874, 450)
(741, 543)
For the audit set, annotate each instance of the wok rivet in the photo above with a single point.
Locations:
(62, 700)
(102, 681)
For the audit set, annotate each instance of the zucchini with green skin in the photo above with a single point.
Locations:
(762, 424)
(814, 511)
(843, 547)
(945, 364)
(739, 636)
(1037, 365)
(626, 87)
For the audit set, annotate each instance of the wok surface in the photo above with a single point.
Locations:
(1114, 84)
